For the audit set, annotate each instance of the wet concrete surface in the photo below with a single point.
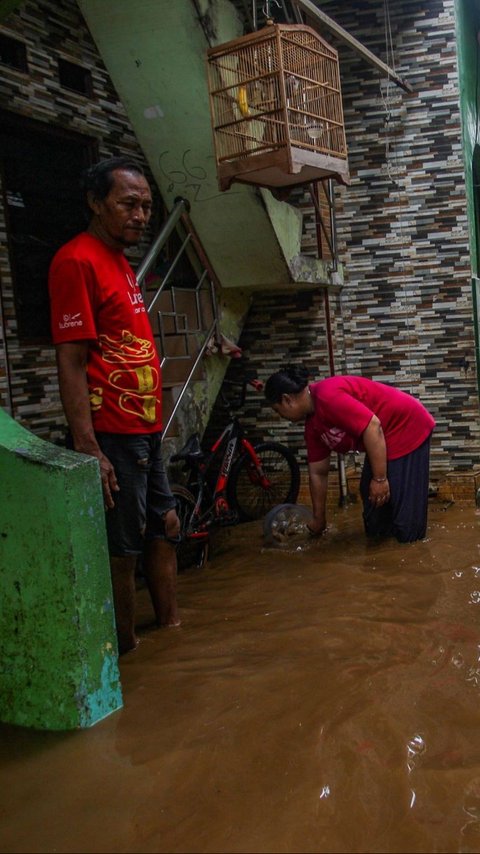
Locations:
(325, 699)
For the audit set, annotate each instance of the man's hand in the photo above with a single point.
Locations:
(107, 472)
(72, 359)
(109, 480)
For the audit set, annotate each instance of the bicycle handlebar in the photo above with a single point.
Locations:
(247, 381)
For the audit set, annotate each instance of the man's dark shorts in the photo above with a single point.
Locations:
(144, 497)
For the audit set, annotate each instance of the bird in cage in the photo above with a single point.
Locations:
(242, 101)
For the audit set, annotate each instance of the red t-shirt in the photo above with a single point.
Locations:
(344, 407)
(95, 296)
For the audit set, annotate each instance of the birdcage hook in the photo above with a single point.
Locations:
(266, 8)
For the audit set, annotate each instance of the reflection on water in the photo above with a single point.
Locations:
(323, 699)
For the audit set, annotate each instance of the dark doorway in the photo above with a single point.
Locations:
(41, 168)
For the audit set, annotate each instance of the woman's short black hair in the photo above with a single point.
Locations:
(289, 380)
(98, 179)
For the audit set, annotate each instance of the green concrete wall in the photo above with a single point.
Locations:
(468, 26)
(59, 664)
(468, 50)
(155, 53)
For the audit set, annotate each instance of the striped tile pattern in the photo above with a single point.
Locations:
(406, 308)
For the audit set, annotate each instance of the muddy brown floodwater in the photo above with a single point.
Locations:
(321, 700)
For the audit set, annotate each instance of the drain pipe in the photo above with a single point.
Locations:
(342, 478)
(334, 269)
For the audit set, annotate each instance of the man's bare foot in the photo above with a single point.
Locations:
(170, 623)
(125, 645)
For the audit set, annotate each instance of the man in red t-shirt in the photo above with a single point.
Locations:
(110, 386)
(352, 413)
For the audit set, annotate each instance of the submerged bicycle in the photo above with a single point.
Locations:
(235, 481)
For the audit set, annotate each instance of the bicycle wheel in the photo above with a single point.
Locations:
(245, 492)
(191, 553)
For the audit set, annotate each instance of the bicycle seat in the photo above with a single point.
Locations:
(191, 451)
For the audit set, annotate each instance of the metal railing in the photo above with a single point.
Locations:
(190, 318)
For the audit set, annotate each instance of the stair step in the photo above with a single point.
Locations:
(176, 372)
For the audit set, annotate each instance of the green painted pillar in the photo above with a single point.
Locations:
(59, 663)
(467, 30)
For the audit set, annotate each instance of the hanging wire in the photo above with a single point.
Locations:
(393, 169)
(266, 9)
(388, 39)
(386, 99)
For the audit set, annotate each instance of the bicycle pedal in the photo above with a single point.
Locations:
(228, 519)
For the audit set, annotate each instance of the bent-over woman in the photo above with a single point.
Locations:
(352, 413)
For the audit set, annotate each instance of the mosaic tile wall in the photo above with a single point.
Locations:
(50, 29)
(402, 229)
(283, 328)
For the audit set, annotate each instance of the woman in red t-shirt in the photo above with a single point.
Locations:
(352, 413)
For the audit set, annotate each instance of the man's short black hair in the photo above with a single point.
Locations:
(98, 179)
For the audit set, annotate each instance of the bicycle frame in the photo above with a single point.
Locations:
(219, 510)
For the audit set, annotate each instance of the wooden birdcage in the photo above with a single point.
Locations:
(276, 108)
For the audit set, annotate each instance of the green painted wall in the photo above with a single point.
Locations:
(468, 49)
(155, 52)
(59, 664)
(468, 27)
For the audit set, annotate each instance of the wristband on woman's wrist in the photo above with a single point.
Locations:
(379, 479)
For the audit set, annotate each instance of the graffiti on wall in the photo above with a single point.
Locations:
(187, 177)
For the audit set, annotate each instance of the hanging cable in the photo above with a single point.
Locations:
(266, 9)
(392, 166)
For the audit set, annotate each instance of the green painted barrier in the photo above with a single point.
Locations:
(59, 662)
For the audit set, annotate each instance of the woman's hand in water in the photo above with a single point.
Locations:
(316, 526)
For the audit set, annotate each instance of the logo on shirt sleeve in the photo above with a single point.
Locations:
(71, 320)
